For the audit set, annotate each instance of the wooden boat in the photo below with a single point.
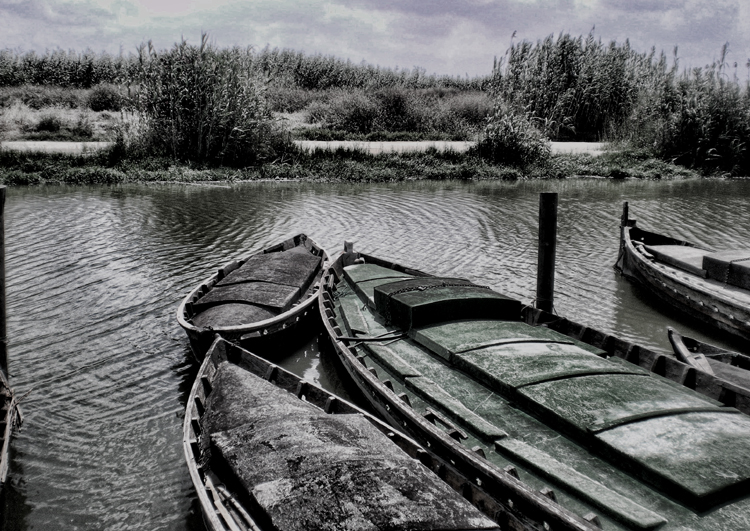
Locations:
(269, 451)
(725, 364)
(10, 419)
(253, 299)
(713, 287)
(460, 369)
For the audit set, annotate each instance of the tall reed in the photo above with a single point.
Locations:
(200, 103)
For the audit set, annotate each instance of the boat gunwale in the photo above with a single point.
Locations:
(256, 326)
(436, 441)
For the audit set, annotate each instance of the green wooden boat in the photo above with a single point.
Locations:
(544, 426)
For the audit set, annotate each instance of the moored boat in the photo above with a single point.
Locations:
(723, 363)
(268, 451)
(713, 287)
(263, 298)
(459, 368)
(10, 419)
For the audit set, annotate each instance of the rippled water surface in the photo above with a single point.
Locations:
(95, 275)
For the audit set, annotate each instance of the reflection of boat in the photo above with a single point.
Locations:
(724, 364)
(713, 287)
(456, 366)
(254, 298)
(11, 417)
(267, 450)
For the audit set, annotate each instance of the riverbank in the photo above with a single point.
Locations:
(24, 163)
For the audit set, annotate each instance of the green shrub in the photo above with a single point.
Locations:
(105, 97)
(200, 103)
(511, 138)
(49, 123)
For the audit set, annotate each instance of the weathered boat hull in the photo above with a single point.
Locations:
(713, 302)
(226, 507)
(501, 495)
(553, 405)
(272, 330)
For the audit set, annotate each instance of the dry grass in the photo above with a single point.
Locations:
(21, 122)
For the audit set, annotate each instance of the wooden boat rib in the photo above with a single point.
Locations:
(487, 393)
(226, 507)
(253, 299)
(712, 287)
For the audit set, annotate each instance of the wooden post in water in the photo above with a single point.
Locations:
(545, 274)
(3, 313)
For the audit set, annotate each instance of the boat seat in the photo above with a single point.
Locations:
(730, 267)
(231, 314)
(683, 257)
(702, 458)
(289, 268)
(394, 363)
(506, 368)
(456, 337)
(276, 297)
(364, 272)
(423, 301)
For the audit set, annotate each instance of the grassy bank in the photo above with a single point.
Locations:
(222, 113)
(18, 168)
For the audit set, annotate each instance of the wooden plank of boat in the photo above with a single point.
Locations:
(257, 300)
(713, 287)
(269, 451)
(613, 437)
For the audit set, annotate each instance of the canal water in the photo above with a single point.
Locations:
(95, 275)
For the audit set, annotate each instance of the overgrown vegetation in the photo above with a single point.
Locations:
(207, 106)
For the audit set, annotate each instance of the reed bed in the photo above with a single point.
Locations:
(200, 103)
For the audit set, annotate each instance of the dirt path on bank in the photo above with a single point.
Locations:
(78, 148)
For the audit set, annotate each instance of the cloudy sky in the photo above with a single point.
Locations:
(456, 37)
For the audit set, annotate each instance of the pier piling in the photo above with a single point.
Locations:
(545, 278)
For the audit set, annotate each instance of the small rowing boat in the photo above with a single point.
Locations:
(713, 287)
(268, 451)
(530, 414)
(725, 364)
(258, 300)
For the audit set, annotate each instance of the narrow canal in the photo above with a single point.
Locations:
(95, 275)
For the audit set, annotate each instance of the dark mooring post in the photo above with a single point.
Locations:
(3, 316)
(545, 273)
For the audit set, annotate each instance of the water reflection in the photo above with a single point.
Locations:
(95, 275)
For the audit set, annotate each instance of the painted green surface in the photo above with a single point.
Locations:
(454, 337)
(392, 361)
(706, 454)
(467, 418)
(592, 403)
(507, 367)
(364, 272)
(354, 317)
(418, 308)
(616, 505)
(366, 288)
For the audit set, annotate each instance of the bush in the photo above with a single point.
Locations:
(49, 123)
(510, 138)
(202, 104)
(105, 97)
